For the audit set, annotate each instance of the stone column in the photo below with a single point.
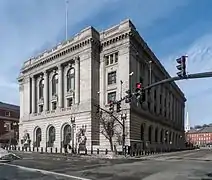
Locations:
(60, 87)
(77, 80)
(102, 81)
(46, 92)
(33, 95)
(21, 92)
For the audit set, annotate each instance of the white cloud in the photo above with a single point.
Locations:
(197, 91)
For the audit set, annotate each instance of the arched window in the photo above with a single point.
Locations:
(156, 134)
(150, 134)
(51, 136)
(142, 132)
(38, 137)
(67, 134)
(54, 84)
(161, 136)
(41, 88)
(70, 79)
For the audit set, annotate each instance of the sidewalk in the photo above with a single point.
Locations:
(99, 156)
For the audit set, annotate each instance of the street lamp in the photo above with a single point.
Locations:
(73, 131)
(150, 72)
(131, 80)
(123, 117)
(15, 124)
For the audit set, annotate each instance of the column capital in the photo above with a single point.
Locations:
(77, 59)
(45, 73)
(59, 67)
(32, 76)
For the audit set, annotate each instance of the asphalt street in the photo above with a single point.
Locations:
(192, 165)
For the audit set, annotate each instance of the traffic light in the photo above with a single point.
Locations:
(111, 108)
(182, 66)
(138, 90)
(128, 97)
(118, 106)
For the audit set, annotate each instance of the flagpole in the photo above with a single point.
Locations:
(66, 20)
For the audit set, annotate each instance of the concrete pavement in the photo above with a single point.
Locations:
(196, 164)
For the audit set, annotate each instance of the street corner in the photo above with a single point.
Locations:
(6, 156)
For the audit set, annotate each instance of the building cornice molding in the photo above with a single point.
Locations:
(114, 39)
(56, 53)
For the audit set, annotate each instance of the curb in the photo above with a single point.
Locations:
(144, 157)
(5, 161)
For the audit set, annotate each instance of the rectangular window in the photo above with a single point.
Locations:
(116, 57)
(155, 109)
(111, 59)
(70, 102)
(111, 97)
(155, 95)
(112, 77)
(107, 60)
(160, 110)
(7, 113)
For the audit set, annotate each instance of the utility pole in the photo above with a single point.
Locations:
(66, 25)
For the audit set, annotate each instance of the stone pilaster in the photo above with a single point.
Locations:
(46, 91)
(33, 95)
(60, 86)
(77, 80)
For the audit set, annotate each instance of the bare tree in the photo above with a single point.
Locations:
(108, 127)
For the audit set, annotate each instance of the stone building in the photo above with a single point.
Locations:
(58, 90)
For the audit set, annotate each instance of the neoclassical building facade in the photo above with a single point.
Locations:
(59, 88)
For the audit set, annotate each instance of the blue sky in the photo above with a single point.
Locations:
(171, 28)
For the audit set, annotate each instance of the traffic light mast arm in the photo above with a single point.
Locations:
(177, 78)
(98, 106)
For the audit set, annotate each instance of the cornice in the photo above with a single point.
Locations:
(112, 40)
(41, 60)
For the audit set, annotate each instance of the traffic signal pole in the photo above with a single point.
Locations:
(177, 78)
(121, 123)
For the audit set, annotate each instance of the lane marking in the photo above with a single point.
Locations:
(44, 171)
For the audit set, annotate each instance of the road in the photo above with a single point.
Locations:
(196, 164)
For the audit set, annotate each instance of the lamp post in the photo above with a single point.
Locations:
(74, 131)
(150, 72)
(123, 117)
(15, 124)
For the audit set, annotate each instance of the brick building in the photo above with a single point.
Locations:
(9, 119)
(200, 137)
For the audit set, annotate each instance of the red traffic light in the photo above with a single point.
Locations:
(138, 85)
